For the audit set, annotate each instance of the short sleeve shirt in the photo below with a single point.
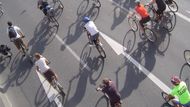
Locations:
(112, 92)
(91, 28)
(41, 63)
(181, 91)
(16, 28)
(141, 10)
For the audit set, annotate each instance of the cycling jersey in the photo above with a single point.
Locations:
(41, 63)
(91, 28)
(16, 28)
(181, 91)
(141, 11)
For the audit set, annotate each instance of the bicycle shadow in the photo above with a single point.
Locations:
(44, 34)
(144, 55)
(185, 74)
(129, 41)
(88, 66)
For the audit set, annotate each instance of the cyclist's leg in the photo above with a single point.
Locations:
(17, 44)
(176, 103)
(159, 12)
(143, 21)
(24, 43)
(96, 38)
(50, 76)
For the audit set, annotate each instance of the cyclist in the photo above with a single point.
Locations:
(42, 5)
(141, 10)
(15, 34)
(42, 67)
(92, 30)
(161, 7)
(109, 88)
(181, 91)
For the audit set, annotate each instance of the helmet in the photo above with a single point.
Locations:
(9, 23)
(175, 80)
(105, 81)
(137, 1)
(86, 19)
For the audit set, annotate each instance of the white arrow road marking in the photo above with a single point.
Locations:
(183, 16)
(50, 91)
(119, 49)
(115, 46)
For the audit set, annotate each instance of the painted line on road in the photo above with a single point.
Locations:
(127, 10)
(188, 11)
(115, 46)
(5, 100)
(51, 93)
(73, 53)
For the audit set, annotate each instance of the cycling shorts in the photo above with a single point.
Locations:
(160, 10)
(49, 74)
(94, 37)
(144, 20)
(185, 105)
(18, 42)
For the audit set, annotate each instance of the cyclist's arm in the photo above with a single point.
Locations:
(47, 62)
(19, 31)
(37, 68)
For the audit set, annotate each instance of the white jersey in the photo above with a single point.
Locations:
(91, 28)
(16, 28)
(41, 63)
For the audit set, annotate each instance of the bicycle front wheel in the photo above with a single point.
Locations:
(133, 24)
(101, 50)
(187, 56)
(164, 95)
(170, 20)
(173, 6)
(150, 35)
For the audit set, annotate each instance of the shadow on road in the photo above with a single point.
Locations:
(185, 74)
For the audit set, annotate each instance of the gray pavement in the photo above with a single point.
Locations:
(21, 87)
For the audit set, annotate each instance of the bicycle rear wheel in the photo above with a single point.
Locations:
(187, 56)
(101, 50)
(150, 35)
(173, 6)
(170, 20)
(164, 95)
(133, 24)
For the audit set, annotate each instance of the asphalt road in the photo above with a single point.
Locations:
(78, 66)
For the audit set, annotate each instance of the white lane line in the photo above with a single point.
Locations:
(152, 77)
(5, 100)
(51, 93)
(73, 53)
(177, 13)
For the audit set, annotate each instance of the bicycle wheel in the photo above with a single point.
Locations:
(101, 50)
(1, 12)
(133, 24)
(173, 6)
(170, 21)
(150, 35)
(164, 95)
(187, 56)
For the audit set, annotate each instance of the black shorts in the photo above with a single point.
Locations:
(144, 20)
(160, 10)
(49, 74)
(94, 37)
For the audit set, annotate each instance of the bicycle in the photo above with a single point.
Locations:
(169, 102)
(98, 46)
(168, 18)
(58, 87)
(1, 9)
(60, 3)
(186, 54)
(50, 14)
(148, 33)
(172, 5)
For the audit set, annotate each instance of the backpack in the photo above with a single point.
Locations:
(12, 32)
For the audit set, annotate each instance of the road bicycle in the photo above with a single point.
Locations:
(51, 14)
(167, 20)
(118, 104)
(172, 5)
(58, 87)
(1, 9)
(60, 3)
(97, 3)
(24, 50)
(148, 33)
(98, 45)
(169, 102)
(186, 54)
